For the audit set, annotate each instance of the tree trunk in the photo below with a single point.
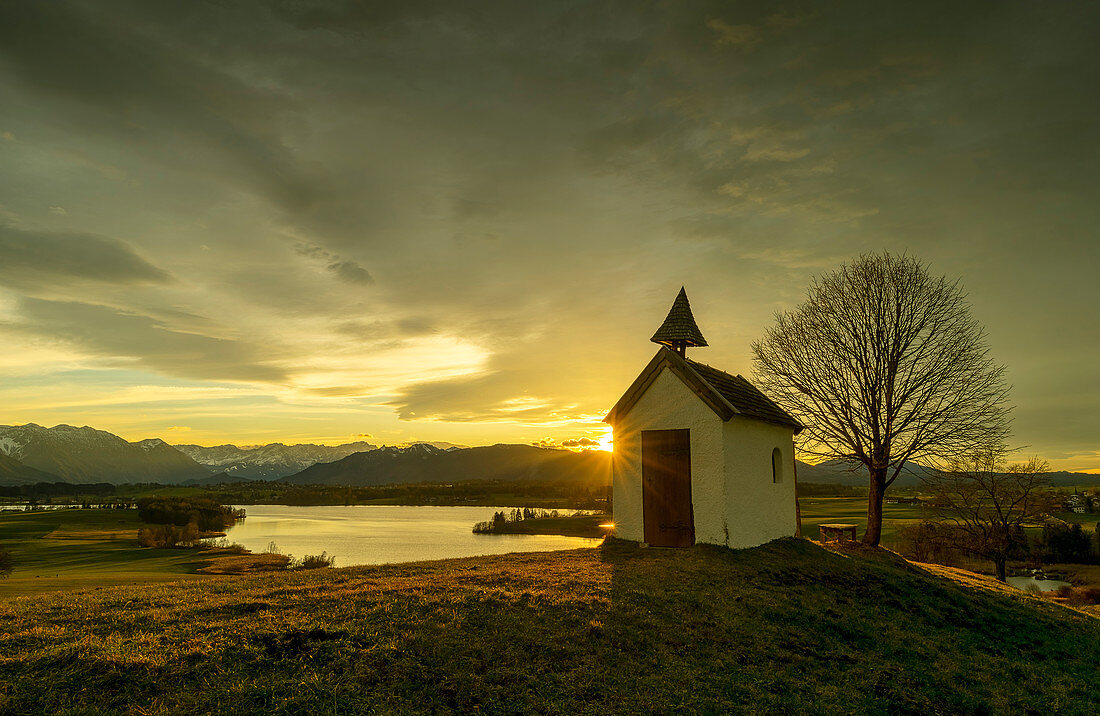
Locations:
(1001, 572)
(797, 506)
(877, 491)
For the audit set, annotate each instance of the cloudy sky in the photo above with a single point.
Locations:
(454, 221)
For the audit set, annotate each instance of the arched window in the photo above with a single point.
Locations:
(777, 466)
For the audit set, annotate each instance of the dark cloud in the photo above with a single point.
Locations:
(344, 269)
(580, 443)
(351, 272)
(120, 79)
(31, 258)
(536, 180)
(111, 333)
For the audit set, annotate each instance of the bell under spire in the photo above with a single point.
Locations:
(679, 329)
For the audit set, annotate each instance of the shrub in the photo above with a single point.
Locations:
(168, 536)
(6, 563)
(926, 541)
(314, 561)
(231, 547)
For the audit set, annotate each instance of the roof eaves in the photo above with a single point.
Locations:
(703, 388)
(636, 389)
(666, 357)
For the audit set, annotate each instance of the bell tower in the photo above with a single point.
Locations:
(679, 329)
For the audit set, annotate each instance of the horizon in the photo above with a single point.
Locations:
(600, 446)
(251, 224)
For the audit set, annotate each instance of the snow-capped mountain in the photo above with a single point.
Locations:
(268, 462)
(88, 455)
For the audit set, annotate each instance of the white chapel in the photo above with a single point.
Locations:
(700, 455)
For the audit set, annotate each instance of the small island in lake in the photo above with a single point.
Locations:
(529, 521)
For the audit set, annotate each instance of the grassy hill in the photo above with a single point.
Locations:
(785, 627)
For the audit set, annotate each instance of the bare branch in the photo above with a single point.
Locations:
(883, 364)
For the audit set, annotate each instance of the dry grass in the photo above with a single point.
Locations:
(80, 533)
(227, 562)
(787, 627)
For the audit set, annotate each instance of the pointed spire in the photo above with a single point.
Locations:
(679, 329)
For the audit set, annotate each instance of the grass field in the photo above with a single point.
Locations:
(90, 549)
(787, 627)
(853, 510)
(77, 549)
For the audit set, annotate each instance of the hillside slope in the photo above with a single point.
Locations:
(838, 472)
(85, 454)
(13, 472)
(787, 627)
(425, 463)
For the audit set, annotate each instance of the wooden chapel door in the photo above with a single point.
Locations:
(667, 515)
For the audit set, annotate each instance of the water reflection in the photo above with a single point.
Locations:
(383, 534)
(1044, 585)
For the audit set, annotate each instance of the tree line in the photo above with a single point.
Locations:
(504, 519)
(181, 521)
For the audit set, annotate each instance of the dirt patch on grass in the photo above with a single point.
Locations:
(79, 533)
(865, 551)
(968, 578)
(219, 562)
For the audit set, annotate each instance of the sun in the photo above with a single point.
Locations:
(606, 441)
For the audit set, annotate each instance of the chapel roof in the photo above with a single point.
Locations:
(679, 327)
(745, 397)
(725, 394)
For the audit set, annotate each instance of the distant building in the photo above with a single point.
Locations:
(700, 455)
(1076, 503)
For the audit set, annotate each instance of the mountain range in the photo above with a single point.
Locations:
(268, 462)
(31, 453)
(85, 455)
(840, 472)
(426, 463)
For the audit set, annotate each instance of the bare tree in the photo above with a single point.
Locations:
(883, 364)
(985, 503)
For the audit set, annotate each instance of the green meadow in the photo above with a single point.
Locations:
(853, 510)
(81, 549)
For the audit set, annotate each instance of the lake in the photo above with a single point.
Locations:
(1044, 585)
(384, 534)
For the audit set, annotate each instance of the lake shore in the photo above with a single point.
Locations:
(75, 549)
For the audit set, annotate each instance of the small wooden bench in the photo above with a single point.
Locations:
(834, 532)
